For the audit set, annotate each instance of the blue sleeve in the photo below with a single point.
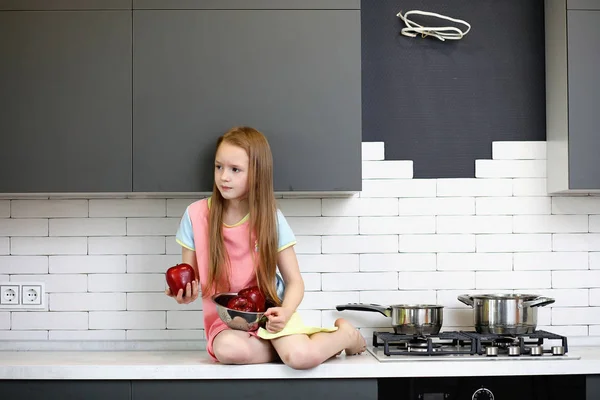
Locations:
(284, 233)
(185, 233)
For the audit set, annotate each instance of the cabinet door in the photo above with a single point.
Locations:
(65, 390)
(65, 101)
(295, 75)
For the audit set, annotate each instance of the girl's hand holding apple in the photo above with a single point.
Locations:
(182, 283)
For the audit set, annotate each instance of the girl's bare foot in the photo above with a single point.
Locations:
(356, 340)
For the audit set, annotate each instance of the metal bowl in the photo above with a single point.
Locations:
(240, 320)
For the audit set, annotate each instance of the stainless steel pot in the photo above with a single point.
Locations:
(407, 319)
(505, 314)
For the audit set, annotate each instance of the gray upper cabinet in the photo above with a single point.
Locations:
(294, 74)
(65, 97)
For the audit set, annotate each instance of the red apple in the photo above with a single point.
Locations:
(241, 304)
(253, 293)
(179, 276)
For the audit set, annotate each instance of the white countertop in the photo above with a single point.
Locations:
(195, 364)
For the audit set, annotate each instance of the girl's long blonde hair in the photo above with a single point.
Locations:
(263, 223)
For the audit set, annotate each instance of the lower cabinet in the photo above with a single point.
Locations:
(65, 390)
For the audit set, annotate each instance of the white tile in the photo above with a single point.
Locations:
(327, 300)
(474, 261)
(594, 330)
(48, 208)
(308, 245)
(152, 226)
(575, 205)
(373, 150)
(516, 150)
(56, 283)
(398, 188)
(127, 245)
(563, 297)
(464, 187)
(23, 335)
(313, 318)
(396, 225)
(300, 207)
(166, 334)
(393, 169)
(103, 334)
(49, 320)
(360, 206)
(397, 262)
(437, 206)
(449, 297)
(500, 243)
(513, 279)
(458, 317)
(24, 264)
(530, 187)
(594, 260)
(594, 296)
(512, 205)
(565, 330)
(87, 301)
(360, 244)
(4, 208)
(4, 246)
(359, 281)
(23, 227)
(87, 226)
(126, 283)
(576, 242)
(397, 297)
(510, 168)
(158, 302)
(578, 279)
(48, 245)
(176, 207)
(594, 223)
(328, 262)
(151, 263)
(550, 223)
(550, 261)
(171, 246)
(437, 243)
(185, 320)
(544, 315)
(312, 281)
(4, 320)
(86, 264)
(474, 224)
(576, 316)
(128, 207)
(324, 225)
(127, 319)
(436, 280)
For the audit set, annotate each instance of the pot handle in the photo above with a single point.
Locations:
(387, 311)
(539, 302)
(466, 299)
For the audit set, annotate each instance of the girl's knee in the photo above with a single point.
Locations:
(231, 349)
(301, 357)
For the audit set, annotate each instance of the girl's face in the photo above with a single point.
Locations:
(231, 171)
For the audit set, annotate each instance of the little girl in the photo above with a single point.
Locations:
(237, 238)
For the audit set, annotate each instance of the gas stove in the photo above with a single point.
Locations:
(470, 346)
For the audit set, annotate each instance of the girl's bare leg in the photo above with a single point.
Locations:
(239, 347)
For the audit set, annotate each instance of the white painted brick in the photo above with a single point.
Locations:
(500, 243)
(24, 264)
(308, 245)
(576, 316)
(300, 207)
(360, 244)
(474, 261)
(171, 246)
(544, 316)
(128, 207)
(312, 281)
(474, 224)
(565, 330)
(158, 302)
(437, 206)
(185, 320)
(512, 150)
(576, 242)
(312, 318)
(594, 330)
(530, 187)
(126, 283)
(23, 227)
(359, 281)
(86, 264)
(396, 225)
(87, 301)
(4, 320)
(449, 298)
(103, 334)
(398, 188)
(373, 150)
(167, 334)
(512, 205)
(594, 260)
(48, 208)
(4, 208)
(152, 226)
(176, 207)
(4, 246)
(550, 223)
(324, 225)
(563, 297)
(594, 223)
(550, 261)
(397, 262)
(327, 300)
(513, 279)
(56, 283)
(151, 263)
(87, 226)
(594, 297)
(359, 206)
(127, 319)
(393, 169)
(575, 205)
(464, 187)
(510, 168)
(578, 279)
(48, 245)
(49, 320)
(458, 317)
(328, 262)
(23, 335)
(387, 298)
(437, 243)
(436, 280)
(127, 245)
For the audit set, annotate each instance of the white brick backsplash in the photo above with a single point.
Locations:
(512, 205)
(4, 246)
(395, 169)
(126, 283)
(594, 223)
(308, 245)
(87, 226)
(158, 302)
(502, 243)
(373, 151)
(398, 188)
(23, 227)
(437, 243)
(458, 317)
(513, 279)
(86, 264)
(49, 320)
(397, 262)
(474, 261)
(544, 315)
(398, 297)
(360, 206)
(465, 187)
(128, 207)
(327, 300)
(24, 264)
(23, 335)
(104, 334)
(510, 168)
(594, 297)
(550, 261)
(312, 281)
(581, 279)
(594, 260)
(56, 283)
(312, 317)
(360, 244)
(550, 223)
(436, 280)
(152, 226)
(563, 297)
(185, 320)
(575, 205)
(166, 334)
(48, 208)
(576, 316)
(151, 263)
(437, 206)
(127, 245)
(48, 245)
(176, 207)
(396, 225)
(127, 319)
(594, 330)
(324, 225)
(87, 301)
(4, 320)
(474, 224)
(328, 262)
(510, 150)
(359, 281)
(449, 298)
(530, 187)
(4, 208)
(569, 331)
(300, 207)
(172, 247)
(576, 242)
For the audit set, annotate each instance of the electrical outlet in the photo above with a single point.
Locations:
(31, 294)
(9, 294)
(22, 295)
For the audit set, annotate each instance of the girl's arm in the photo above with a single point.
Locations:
(294, 284)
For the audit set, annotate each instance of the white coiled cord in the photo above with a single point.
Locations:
(441, 32)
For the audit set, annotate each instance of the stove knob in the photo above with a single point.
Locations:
(483, 394)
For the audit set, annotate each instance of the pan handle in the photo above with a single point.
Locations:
(466, 299)
(387, 311)
(539, 302)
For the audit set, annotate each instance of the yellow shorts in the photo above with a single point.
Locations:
(294, 326)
